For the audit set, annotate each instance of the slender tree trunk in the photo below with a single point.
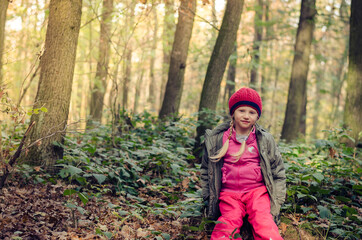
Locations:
(317, 101)
(55, 84)
(353, 108)
(114, 100)
(336, 86)
(152, 84)
(300, 67)
(230, 82)
(127, 70)
(265, 78)
(224, 46)
(139, 83)
(168, 32)
(128, 51)
(100, 81)
(174, 87)
(258, 37)
(3, 8)
(274, 109)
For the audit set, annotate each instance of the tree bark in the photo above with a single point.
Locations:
(168, 32)
(127, 53)
(3, 8)
(224, 46)
(336, 86)
(152, 83)
(100, 81)
(127, 71)
(174, 87)
(265, 76)
(300, 67)
(258, 37)
(55, 83)
(353, 108)
(231, 74)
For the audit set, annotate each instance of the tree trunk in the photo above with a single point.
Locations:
(258, 35)
(100, 81)
(168, 32)
(300, 67)
(336, 87)
(138, 84)
(353, 109)
(265, 77)
(173, 93)
(152, 84)
(230, 82)
(127, 70)
(128, 51)
(317, 101)
(3, 7)
(55, 83)
(224, 46)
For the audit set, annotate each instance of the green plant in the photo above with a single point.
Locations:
(324, 186)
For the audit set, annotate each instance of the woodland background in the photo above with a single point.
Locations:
(122, 91)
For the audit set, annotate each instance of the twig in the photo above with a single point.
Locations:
(15, 156)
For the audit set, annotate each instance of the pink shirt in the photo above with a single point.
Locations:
(245, 174)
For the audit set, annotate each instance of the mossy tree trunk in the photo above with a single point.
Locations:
(298, 81)
(353, 108)
(55, 83)
(100, 81)
(175, 82)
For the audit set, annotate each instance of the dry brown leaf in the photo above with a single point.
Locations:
(185, 183)
(283, 227)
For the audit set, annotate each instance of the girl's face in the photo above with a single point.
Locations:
(244, 119)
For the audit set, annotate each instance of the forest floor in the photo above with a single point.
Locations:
(40, 211)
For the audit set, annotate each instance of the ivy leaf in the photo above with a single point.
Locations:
(68, 192)
(318, 176)
(100, 177)
(83, 198)
(343, 199)
(324, 212)
(166, 236)
(74, 170)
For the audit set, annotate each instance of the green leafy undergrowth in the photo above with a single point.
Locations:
(147, 165)
(149, 153)
(324, 186)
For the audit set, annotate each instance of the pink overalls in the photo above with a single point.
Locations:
(243, 193)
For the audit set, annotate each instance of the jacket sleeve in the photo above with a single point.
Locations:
(278, 172)
(205, 175)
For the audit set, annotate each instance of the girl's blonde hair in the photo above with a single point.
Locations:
(221, 153)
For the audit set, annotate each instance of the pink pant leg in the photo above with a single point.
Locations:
(258, 207)
(232, 213)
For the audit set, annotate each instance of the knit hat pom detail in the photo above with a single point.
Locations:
(245, 97)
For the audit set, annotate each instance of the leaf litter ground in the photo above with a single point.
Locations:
(38, 211)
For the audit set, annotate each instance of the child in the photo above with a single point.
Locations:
(242, 172)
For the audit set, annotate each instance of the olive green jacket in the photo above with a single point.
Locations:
(271, 164)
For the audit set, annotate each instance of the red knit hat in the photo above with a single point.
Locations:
(245, 97)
